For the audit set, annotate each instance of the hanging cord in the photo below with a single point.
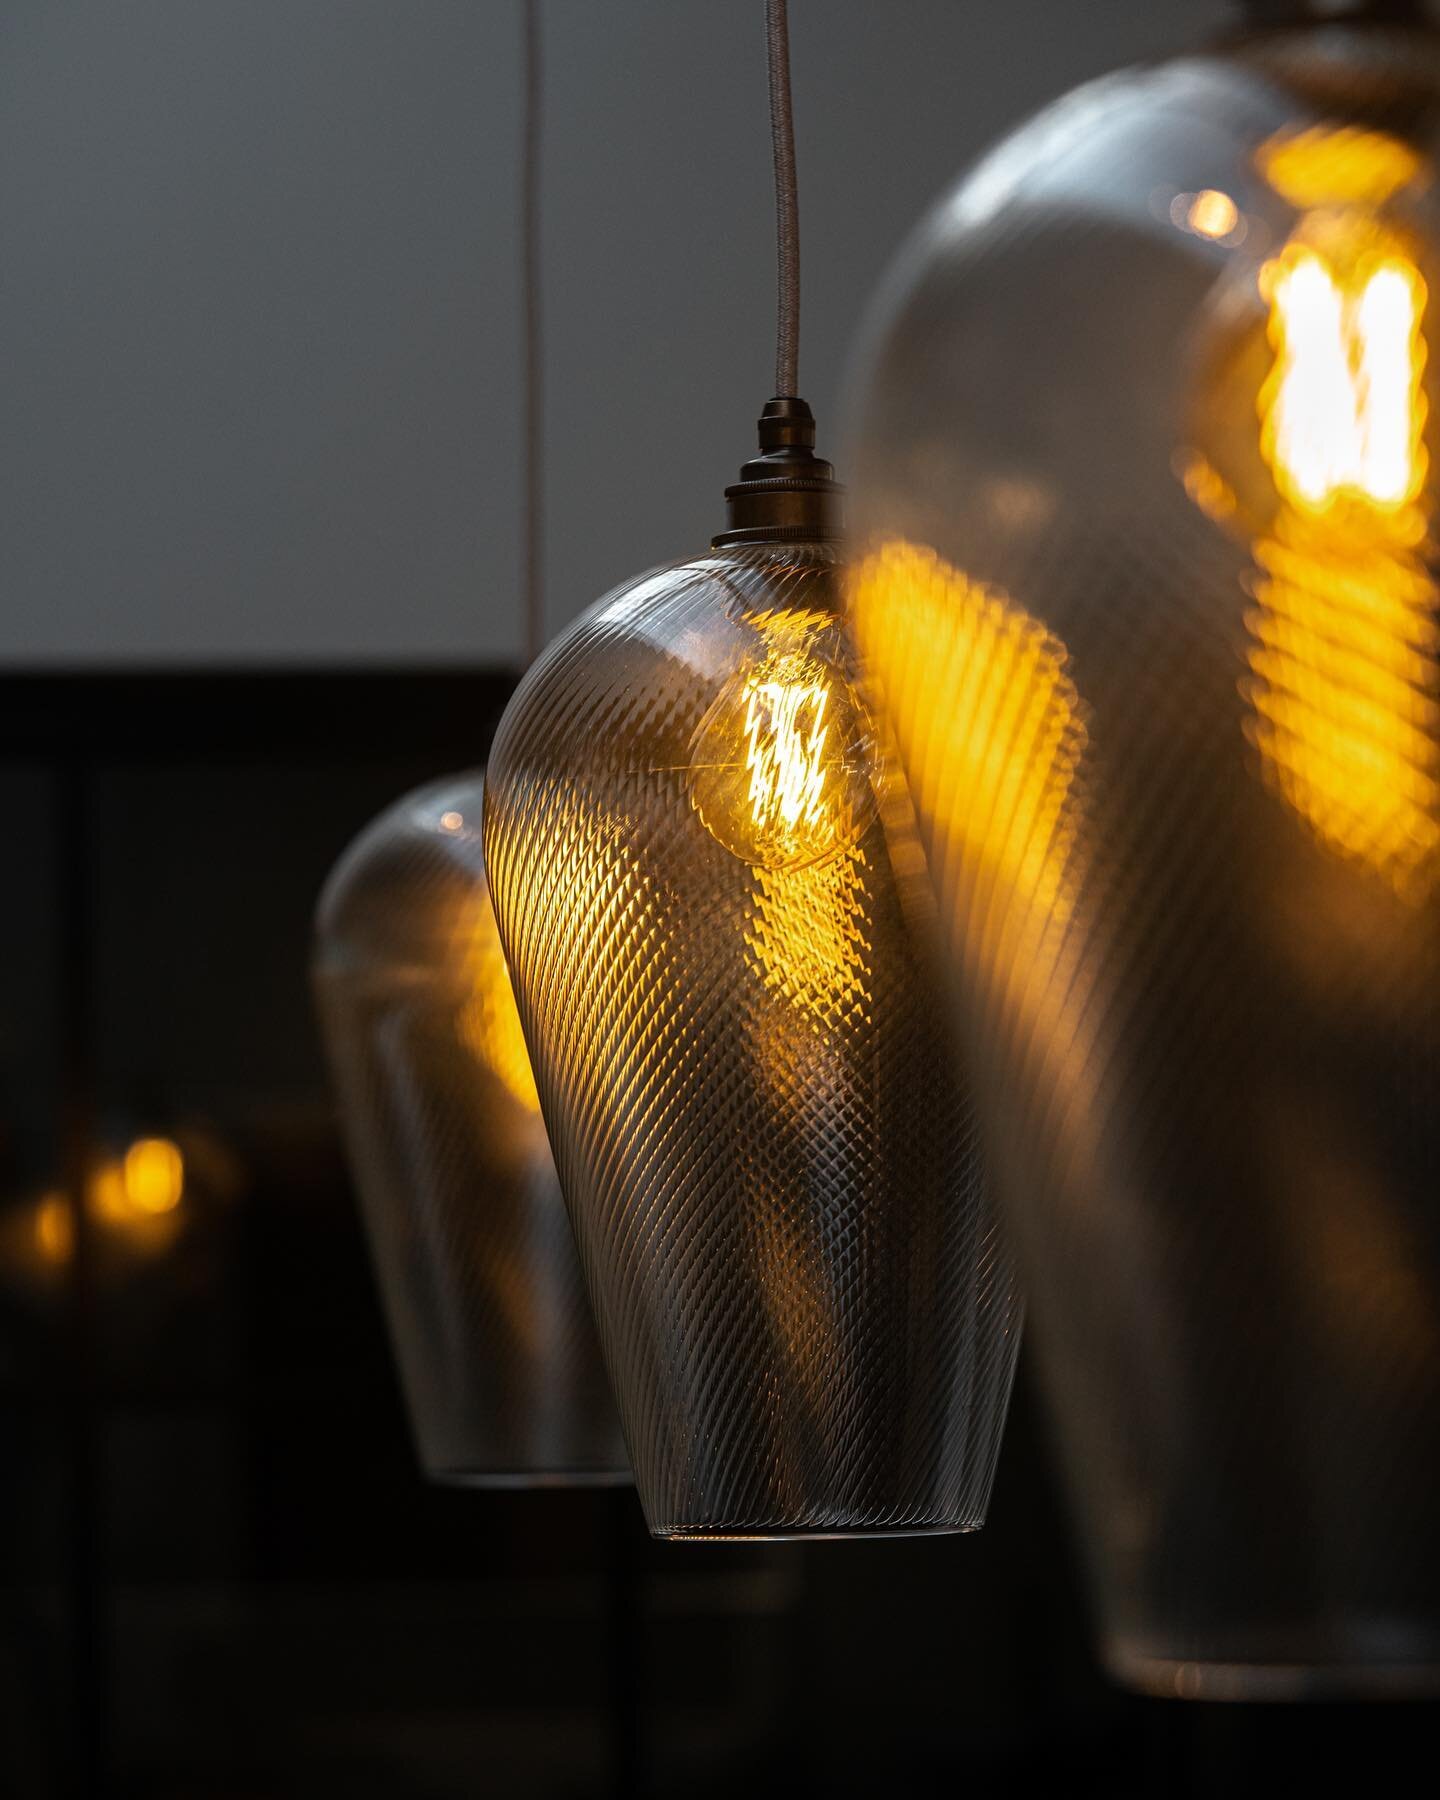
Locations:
(787, 205)
(532, 578)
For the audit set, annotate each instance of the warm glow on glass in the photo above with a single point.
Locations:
(1346, 721)
(992, 734)
(999, 700)
(808, 935)
(489, 1022)
(1336, 166)
(781, 767)
(1342, 413)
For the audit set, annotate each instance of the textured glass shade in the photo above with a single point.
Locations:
(476, 1262)
(769, 1159)
(1147, 487)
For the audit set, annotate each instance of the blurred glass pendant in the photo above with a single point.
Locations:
(477, 1267)
(769, 1158)
(476, 1262)
(1148, 494)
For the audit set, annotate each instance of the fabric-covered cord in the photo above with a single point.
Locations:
(532, 576)
(787, 206)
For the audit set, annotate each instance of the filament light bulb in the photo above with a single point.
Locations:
(1332, 489)
(1343, 410)
(781, 769)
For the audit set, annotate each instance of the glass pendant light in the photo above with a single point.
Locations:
(770, 1161)
(487, 1312)
(1148, 497)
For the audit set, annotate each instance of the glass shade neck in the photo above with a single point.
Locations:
(1368, 62)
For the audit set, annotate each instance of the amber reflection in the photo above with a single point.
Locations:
(489, 1024)
(1345, 717)
(1330, 165)
(807, 937)
(981, 691)
(54, 1227)
(135, 1196)
(153, 1175)
(142, 1185)
(992, 737)
(809, 940)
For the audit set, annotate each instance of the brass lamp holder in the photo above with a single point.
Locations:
(787, 493)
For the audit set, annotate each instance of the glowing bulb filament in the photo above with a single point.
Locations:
(785, 733)
(1387, 317)
(781, 768)
(1343, 411)
(1342, 638)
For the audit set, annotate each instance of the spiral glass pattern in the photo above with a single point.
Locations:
(768, 1154)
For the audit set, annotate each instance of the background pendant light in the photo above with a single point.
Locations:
(805, 1307)
(474, 1254)
(1149, 482)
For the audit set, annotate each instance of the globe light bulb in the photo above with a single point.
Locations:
(1323, 344)
(1342, 415)
(783, 771)
(1330, 497)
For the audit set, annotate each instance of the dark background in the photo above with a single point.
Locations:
(223, 1576)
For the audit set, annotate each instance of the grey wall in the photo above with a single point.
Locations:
(259, 305)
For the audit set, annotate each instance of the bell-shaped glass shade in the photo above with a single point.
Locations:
(769, 1158)
(476, 1262)
(1147, 489)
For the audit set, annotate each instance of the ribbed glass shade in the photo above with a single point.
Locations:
(769, 1159)
(473, 1251)
(1147, 485)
